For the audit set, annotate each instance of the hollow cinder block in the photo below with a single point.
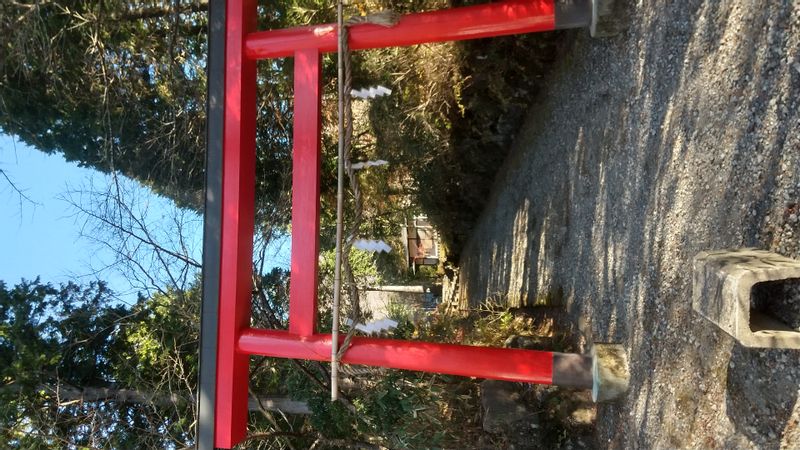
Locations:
(722, 288)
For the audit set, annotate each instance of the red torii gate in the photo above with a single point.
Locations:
(227, 341)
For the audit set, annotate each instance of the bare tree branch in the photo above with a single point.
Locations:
(20, 192)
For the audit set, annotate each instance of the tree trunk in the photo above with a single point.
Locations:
(68, 395)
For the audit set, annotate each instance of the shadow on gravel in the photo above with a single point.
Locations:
(648, 149)
(760, 397)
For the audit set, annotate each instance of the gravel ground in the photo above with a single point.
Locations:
(681, 135)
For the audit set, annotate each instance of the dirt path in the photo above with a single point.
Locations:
(679, 136)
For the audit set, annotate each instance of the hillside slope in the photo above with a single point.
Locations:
(676, 137)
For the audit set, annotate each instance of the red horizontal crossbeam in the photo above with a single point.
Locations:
(470, 22)
(529, 366)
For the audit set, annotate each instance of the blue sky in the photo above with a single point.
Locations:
(42, 235)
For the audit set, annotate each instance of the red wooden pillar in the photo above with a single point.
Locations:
(238, 182)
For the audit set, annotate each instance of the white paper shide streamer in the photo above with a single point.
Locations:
(373, 92)
(374, 327)
(375, 246)
(365, 164)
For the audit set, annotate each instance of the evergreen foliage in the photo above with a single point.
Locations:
(81, 370)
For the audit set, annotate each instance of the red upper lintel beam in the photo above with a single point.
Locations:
(471, 22)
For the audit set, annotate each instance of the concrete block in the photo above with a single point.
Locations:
(722, 289)
(611, 372)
